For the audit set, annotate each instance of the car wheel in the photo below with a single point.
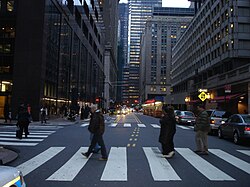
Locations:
(220, 133)
(236, 138)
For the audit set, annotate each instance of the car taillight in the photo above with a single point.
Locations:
(247, 128)
(212, 121)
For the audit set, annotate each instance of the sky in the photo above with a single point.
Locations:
(170, 3)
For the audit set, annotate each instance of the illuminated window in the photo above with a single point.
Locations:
(10, 5)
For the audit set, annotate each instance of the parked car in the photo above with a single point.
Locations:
(185, 117)
(237, 127)
(216, 117)
(11, 177)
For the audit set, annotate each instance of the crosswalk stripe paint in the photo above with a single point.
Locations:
(31, 133)
(160, 168)
(18, 143)
(116, 166)
(50, 132)
(30, 136)
(232, 160)
(141, 125)
(85, 125)
(113, 124)
(71, 168)
(156, 126)
(182, 127)
(204, 167)
(38, 160)
(127, 125)
(21, 140)
(246, 152)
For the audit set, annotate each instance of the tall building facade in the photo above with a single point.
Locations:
(139, 12)
(161, 34)
(123, 52)
(51, 54)
(110, 16)
(214, 54)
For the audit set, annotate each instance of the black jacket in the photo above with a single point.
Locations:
(168, 128)
(96, 124)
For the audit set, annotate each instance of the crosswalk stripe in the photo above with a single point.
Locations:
(204, 167)
(141, 125)
(160, 168)
(31, 133)
(182, 127)
(232, 160)
(85, 124)
(246, 152)
(116, 166)
(113, 124)
(30, 136)
(71, 168)
(127, 125)
(21, 140)
(38, 160)
(18, 143)
(156, 126)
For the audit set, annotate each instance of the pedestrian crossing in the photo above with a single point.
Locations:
(140, 125)
(116, 167)
(35, 137)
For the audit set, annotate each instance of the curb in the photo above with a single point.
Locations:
(7, 155)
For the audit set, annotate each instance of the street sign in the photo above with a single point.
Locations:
(227, 88)
(202, 90)
(203, 96)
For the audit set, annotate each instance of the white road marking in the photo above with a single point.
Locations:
(182, 127)
(204, 167)
(156, 126)
(116, 166)
(127, 125)
(29, 136)
(71, 168)
(141, 125)
(160, 168)
(231, 160)
(85, 125)
(31, 133)
(21, 140)
(246, 152)
(38, 160)
(113, 125)
(18, 143)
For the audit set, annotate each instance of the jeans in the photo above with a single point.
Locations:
(201, 141)
(97, 138)
(97, 146)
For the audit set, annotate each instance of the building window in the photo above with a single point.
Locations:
(0, 5)
(10, 5)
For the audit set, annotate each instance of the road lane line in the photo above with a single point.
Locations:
(127, 125)
(113, 124)
(84, 124)
(116, 166)
(203, 166)
(141, 125)
(231, 160)
(156, 126)
(18, 143)
(182, 127)
(246, 152)
(160, 168)
(29, 136)
(22, 140)
(38, 160)
(71, 168)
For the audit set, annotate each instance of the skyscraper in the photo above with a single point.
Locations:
(139, 12)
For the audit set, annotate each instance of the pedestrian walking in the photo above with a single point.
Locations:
(202, 127)
(167, 132)
(43, 114)
(97, 128)
(23, 121)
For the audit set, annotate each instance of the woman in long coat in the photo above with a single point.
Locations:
(168, 129)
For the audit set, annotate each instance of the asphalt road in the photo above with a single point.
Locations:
(52, 157)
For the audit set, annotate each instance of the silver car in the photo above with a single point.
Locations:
(11, 177)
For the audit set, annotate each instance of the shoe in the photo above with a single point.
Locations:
(85, 155)
(169, 155)
(203, 153)
(198, 151)
(103, 159)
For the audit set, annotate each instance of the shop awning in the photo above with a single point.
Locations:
(226, 97)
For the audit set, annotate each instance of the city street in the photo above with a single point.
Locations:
(51, 156)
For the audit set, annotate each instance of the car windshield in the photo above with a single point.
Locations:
(218, 114)
(188, 114)
(246, 118)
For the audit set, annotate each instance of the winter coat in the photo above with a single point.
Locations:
(23, 118)
(96, 124)
(168, 128)
(202, 122)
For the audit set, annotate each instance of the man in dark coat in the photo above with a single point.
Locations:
(202, 127)
(97, 128)
(23, 120)
(167, 132)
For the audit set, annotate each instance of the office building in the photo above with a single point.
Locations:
(214, 54)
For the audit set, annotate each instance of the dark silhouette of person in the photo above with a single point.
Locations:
(23, 120)
(6, 112)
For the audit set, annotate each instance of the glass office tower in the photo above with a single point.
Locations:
(139, 12)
